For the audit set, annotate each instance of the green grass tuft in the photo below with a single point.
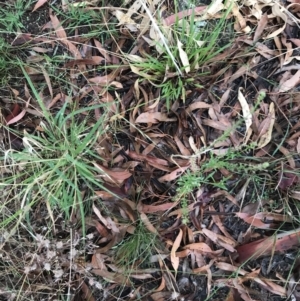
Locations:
(134, 251)
(56, 164)
(200, 41)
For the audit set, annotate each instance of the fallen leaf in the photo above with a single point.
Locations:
(173, 18)
(102, 50)
(124, 19)
(291, 83)
(111, 277)
(218, 222)
(48, 81)
(298, 146)
(262, 23)
(287, 179)
(183, 57)
(241, 22)
(141, 276)
(162, 296)
(39, 4)
(153, 117)
(147, 223)
(98, 261)
(226, 195)
(94, 60)
(86, 291)
(267, 137)
(199, 246)
(198, 105)
(13, 118)
(156, 208)
(32, 71)
(162, 285)
(176, 244)
(183, 150)
(101, 218)
(266, 246)
(62, 37)
(105, 81)
(16, 110)
(223, 241)
(114, 175)
(139, 71)
(264, 220)
(246, 114)
(265, 283)
(174, 174)
(94, 223)
(288, 156)
(149, 159)
(277, 11)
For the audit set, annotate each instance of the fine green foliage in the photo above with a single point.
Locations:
(205, 175)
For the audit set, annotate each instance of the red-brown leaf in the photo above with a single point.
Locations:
(39, 4)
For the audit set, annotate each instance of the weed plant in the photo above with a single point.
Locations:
(55, 165)
(205, 175)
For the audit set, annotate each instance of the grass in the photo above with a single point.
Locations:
(89, 23)
(56, 163)
(11, 15)
(54, 171)
(190, 44)
(134, 251)
(6, 62)
(55, 166)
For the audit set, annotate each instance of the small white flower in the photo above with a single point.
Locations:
(47, 266)
(90, 236)
(28, 269)
(72, 253)
(58, 274)
(59, 245)
(51, 254)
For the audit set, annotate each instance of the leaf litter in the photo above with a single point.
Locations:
(199, 195)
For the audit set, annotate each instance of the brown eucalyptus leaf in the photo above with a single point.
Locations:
(153, 117)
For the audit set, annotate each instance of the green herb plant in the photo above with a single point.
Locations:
(205, 175)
